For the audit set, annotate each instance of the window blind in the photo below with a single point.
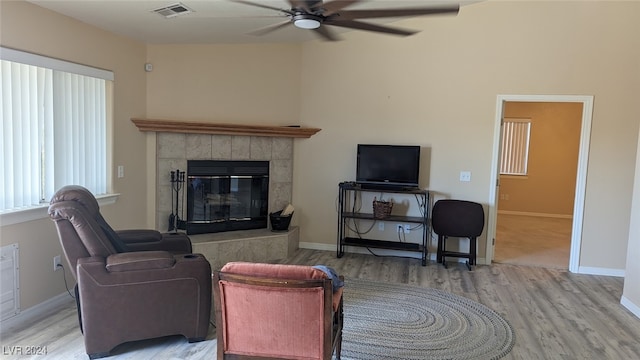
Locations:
(54, 129)
(515, 146)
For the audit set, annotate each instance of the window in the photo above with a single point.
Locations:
(515, 146)
(54, 117)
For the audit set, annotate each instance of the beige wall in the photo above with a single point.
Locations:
(436, 89)
(64, 38)
(549, 186)
(248, 84)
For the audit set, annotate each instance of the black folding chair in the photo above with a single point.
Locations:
(460, 219)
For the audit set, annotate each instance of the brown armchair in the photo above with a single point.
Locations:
(146, 285)
(275, 311)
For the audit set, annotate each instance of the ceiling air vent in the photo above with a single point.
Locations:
(173, 10)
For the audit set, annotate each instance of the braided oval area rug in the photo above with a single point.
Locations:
(396, 321)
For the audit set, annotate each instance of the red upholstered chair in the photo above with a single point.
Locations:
(276, 311)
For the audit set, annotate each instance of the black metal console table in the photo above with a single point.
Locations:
(348, 192)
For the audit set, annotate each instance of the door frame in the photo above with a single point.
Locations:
(581, 176)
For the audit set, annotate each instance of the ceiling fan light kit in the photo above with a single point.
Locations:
(305, 21)
(316, 15)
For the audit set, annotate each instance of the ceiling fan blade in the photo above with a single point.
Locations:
(263, 6)
(299, 4)
(334, 6)
(270, 28)
(380, 13)
(326, 34)
(352, 24)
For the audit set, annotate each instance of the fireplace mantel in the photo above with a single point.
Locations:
(195, 127)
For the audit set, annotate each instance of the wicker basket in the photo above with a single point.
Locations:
(381, 209)
(280, 222)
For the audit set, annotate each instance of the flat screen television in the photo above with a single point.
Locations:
(388, 165)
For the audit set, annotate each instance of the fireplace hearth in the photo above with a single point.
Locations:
(226, 195)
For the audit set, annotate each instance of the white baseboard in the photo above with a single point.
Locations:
(586, 270)
(635, 309)
(526, 213)
(317, 246)
(34, 313)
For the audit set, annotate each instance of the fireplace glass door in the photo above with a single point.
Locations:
(226, 202)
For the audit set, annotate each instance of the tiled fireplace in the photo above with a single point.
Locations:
(261, 245)
(178, 141)
(175, 149)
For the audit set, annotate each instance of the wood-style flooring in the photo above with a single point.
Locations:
(555, 314)
(533, 241)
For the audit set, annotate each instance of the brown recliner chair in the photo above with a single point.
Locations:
(131, 285)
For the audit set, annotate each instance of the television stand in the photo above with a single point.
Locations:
(349, 191)
(386, 188)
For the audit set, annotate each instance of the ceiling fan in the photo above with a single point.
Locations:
(316, 14)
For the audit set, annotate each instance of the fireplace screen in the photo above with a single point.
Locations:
(226, 195)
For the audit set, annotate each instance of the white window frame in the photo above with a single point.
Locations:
(14, 216)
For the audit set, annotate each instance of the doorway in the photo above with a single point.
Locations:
(537, 183)
(535, 207)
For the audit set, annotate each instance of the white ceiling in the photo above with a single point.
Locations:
(212, 21)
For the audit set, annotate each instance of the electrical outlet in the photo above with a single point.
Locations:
(465, 176)
(381, 226)
(120, 171)
(399, 228)
(407, 228)
(57, 265)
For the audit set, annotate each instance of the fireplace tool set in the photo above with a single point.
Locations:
(177, 185)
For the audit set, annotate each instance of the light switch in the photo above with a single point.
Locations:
(120, 171)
